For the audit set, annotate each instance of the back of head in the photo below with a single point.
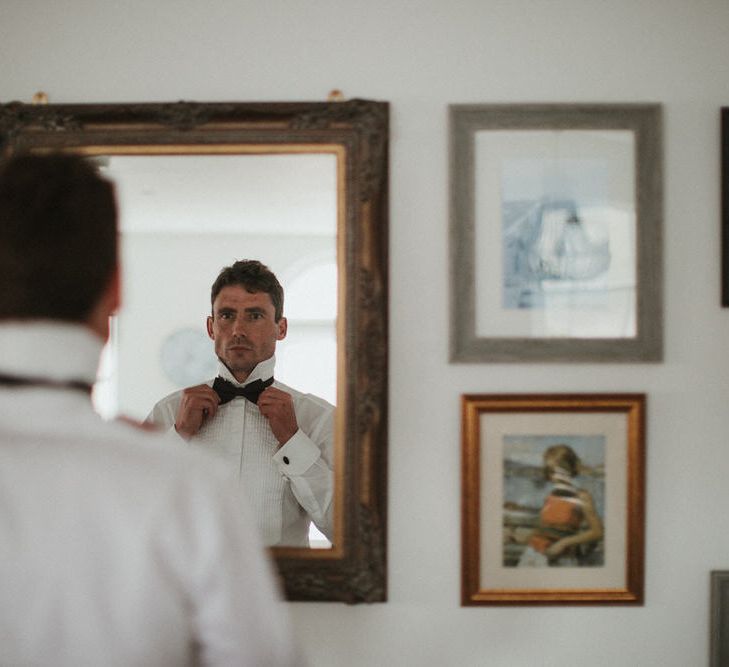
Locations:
(561, 457)
(58, 237)
(254, 277)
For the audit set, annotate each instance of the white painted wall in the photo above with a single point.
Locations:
(421, 56)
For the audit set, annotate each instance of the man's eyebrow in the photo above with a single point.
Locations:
(224, 310)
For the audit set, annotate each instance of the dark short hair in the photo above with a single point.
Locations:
(254, 277)
(564, 456)
(58, 237)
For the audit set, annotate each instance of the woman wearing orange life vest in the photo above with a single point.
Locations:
(568, 521)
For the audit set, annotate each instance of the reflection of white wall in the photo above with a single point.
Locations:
(308, 357)
(278, 194)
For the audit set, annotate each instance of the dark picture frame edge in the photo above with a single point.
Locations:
(724, 204)
(719, 618)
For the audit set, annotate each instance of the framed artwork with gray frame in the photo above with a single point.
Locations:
(556, 241)
(553, 499)
(719, 644)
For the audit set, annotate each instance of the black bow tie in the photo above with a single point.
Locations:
(227, 391)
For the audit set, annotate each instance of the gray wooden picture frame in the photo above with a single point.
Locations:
(645, 122)
(719, 639)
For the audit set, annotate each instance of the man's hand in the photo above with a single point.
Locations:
(198, 404)
(278, 408)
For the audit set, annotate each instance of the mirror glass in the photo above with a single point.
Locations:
(182, 219)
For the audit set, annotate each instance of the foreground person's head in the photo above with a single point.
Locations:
(58, 241)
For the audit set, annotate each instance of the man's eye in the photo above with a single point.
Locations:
(255, 316)
(226, 316)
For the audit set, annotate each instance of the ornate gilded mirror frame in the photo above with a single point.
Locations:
(354, 570)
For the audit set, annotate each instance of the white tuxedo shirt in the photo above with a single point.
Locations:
(113, 549)
(288, 486)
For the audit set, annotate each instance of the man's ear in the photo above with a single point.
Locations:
(108, 304)
(209, 325)
(113, 292)
(116, 290)
(283, 327)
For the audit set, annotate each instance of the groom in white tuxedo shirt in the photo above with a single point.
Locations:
(114, 550)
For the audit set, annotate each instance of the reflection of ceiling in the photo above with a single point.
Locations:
(258, 194)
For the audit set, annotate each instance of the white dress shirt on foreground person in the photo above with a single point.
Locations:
(115, 549)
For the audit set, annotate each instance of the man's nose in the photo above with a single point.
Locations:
(239, 326)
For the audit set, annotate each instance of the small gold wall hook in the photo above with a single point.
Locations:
(40, 98)
(335, 95)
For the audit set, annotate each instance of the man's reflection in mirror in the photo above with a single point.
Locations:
(278, 440)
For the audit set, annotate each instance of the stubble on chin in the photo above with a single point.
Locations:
(237, 368)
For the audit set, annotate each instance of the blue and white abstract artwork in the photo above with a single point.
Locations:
(555, 235)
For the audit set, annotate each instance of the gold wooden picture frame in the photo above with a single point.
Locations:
(553, 499)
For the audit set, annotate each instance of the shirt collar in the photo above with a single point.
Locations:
(50, 350)
(262, 371)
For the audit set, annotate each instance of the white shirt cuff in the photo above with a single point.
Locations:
(297, 455)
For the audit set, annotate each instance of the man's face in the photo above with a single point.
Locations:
(244, 329)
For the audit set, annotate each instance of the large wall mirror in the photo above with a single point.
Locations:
(301, 187)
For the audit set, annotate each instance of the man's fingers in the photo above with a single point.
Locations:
(198, 404)
(278, 408)
(201, 391)
(272, 396)
(201, 397)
